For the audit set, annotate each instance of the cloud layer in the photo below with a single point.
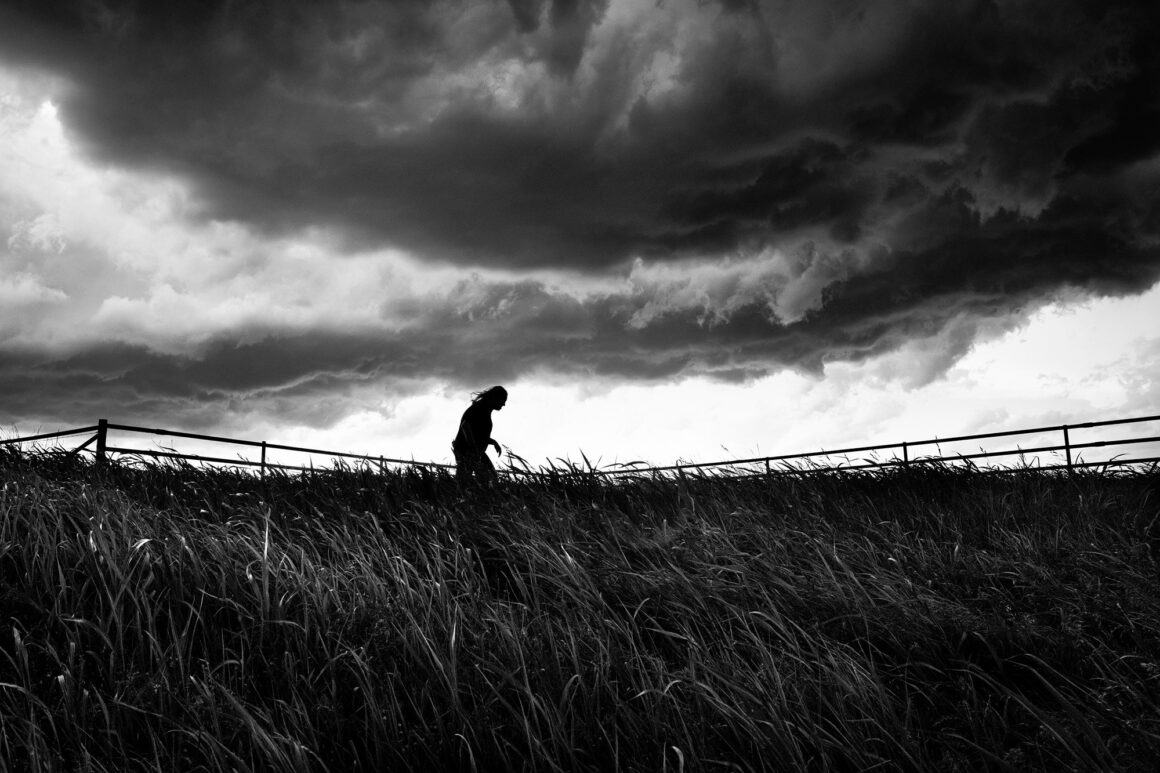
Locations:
(324, 200)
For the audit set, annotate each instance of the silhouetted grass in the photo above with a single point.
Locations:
(164, 617)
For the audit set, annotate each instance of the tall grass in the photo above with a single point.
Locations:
(162, 617)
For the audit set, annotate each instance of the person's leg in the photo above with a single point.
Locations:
(487, 470)
(463, 465)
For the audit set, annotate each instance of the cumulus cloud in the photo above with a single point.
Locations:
(23, 296)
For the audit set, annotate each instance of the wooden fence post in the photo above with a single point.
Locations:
(102, 437)
(263, 459)
(905, 455)
(1067, 447)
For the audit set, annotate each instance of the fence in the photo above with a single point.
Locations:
(874, 456)
(903, 452)
(103, 449)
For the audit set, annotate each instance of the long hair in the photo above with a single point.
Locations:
(495, 391)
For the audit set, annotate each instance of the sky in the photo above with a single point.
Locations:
(674, 229)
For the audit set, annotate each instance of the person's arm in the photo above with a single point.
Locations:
(475, 431)
(466, 437)
(498, 450)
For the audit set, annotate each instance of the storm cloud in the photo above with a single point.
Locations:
(643, 191)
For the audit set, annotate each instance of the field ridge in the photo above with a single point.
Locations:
(166, 617)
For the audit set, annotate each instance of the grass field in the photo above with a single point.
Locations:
(168, 618)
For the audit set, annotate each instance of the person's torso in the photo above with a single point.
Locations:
(474, 428)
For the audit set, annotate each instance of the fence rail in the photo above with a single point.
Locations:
(103, 450)
(1068, 447)
(783, 463)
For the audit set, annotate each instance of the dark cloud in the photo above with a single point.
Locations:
(292, 114)
(915, 166)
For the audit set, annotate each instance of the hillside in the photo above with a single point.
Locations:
(170, 618)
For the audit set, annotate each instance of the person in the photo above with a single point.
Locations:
(474, 436)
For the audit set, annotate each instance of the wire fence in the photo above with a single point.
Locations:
(1041, 449)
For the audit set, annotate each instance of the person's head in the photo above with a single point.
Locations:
(494, 398)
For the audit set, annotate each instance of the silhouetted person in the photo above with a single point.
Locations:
(470, 445)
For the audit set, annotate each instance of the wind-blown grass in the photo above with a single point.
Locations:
(162, 617)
